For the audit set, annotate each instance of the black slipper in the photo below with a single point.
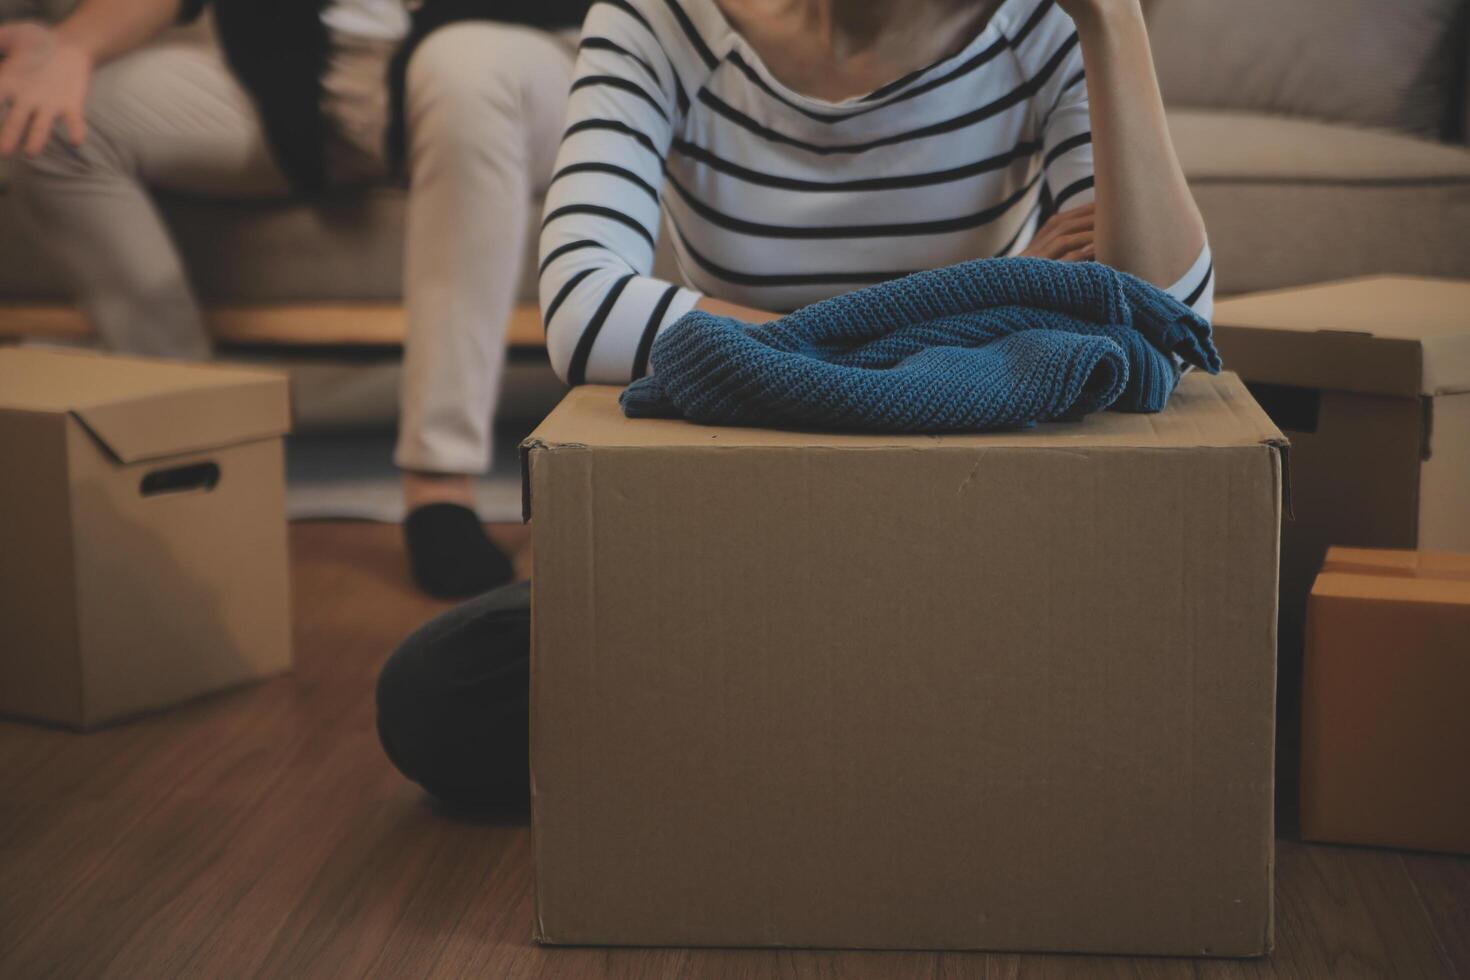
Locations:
(449, 553)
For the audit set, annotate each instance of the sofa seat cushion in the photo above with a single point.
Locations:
(263, 252)
(1221, 145)
(348, 249)
(1289, 201)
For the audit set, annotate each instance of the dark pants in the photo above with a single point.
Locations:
(454, 702)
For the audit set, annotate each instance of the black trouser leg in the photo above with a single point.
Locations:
(454, 702)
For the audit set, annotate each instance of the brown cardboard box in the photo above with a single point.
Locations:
(142, 510)
(1004, 691)
(1370, 379)
(1385, 731)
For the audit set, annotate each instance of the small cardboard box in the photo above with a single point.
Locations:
(1002, 691)
(142, 510)
(1385, 730)
(1370, 379)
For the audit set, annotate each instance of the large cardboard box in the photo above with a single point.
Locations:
(142, 515)
(1385, 731)
(1370, 379)
(1003, 691)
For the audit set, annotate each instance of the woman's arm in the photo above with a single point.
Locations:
(45, 71)
(1147, 222)
(601, 306)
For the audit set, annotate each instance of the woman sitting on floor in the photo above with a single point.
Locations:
(800, 148)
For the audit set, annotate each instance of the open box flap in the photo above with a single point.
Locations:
(1386, 335)
(144, 409)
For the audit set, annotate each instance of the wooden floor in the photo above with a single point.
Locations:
(261, 834)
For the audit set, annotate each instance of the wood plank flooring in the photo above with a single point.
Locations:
(260, 833)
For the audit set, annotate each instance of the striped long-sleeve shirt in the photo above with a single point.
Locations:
(775, 199)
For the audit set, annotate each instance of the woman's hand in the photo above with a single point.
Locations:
(1067, 237)
(43, 77)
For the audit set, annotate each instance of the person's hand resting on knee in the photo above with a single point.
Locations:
(45, 71)
(43, 79)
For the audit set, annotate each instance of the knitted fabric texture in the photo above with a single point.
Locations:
(988, 344)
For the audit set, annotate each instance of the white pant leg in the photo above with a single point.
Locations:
(485, 105)
(171, 118)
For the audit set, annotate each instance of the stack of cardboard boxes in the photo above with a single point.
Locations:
(1370, 379)
(1013, 690)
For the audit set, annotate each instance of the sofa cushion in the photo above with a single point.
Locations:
(1389, 63)
(1289, 202)
(239, 252)
(273, 252)
(1216, 145)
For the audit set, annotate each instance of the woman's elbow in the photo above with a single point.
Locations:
(559, 344)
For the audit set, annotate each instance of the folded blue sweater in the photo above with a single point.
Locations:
(988, 344)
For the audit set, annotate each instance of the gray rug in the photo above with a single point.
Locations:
(351, 475)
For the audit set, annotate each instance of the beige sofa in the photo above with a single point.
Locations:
(1323, 138)
(1301, 176)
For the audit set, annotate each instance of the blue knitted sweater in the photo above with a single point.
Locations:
(988, 344)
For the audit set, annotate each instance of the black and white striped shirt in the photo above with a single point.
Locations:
(775, 199)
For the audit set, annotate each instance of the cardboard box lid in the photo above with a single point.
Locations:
(1386, 335)
(144, 409)
(1383, 573)
(1204, 411)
